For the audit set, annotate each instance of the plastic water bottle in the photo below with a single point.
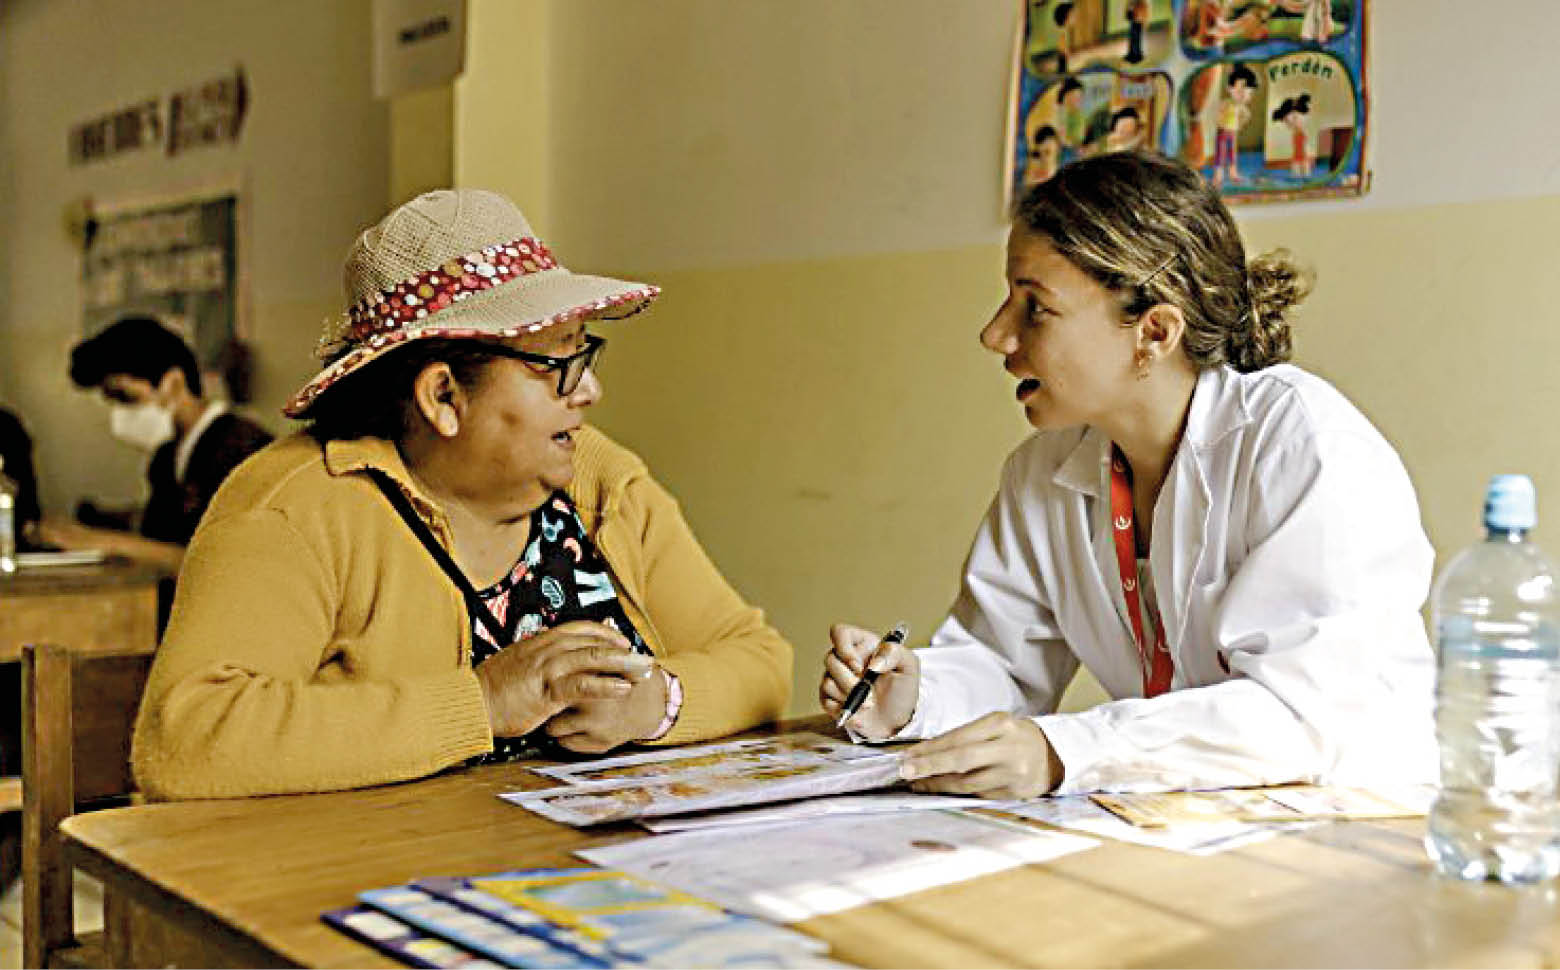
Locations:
(8, 493)
(1497, 622)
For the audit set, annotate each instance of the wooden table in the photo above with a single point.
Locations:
(252, 876)
(110, 605)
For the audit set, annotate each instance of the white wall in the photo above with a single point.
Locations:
(312, 158)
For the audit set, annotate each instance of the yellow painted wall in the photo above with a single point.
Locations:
(422, 136)
(815, 185)
(503, 105)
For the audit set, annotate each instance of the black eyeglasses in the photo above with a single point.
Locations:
(571, 369)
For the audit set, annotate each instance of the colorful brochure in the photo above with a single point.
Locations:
(401, 942)
(578, 917)
(709, 777)
(636, 919)
(476, 933)
(802, 749)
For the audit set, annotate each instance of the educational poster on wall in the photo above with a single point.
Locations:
(1267, 98)
(175, 261)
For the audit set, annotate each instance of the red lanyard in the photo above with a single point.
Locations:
(1154, 657)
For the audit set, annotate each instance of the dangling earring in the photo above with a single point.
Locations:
(1143, 359)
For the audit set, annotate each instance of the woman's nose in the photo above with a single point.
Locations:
(588, 392)
(997, 336)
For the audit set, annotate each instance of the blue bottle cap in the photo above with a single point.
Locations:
(1510, 503)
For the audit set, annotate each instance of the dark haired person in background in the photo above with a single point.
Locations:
(149, 377)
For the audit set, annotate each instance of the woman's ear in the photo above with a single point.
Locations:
(440, 399)
(1160, 330)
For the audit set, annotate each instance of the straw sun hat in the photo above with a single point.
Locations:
(458, 263)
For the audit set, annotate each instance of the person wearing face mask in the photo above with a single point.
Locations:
(448, 565)
(1220, 538)
(148, 375)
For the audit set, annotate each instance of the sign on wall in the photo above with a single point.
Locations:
(417, 44)
(209, 113)
(1268, 98)
(176, 261)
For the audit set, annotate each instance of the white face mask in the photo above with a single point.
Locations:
(146, 426)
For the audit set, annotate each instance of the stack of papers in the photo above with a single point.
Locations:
(790, 872)
(566, 918)
(706, 777)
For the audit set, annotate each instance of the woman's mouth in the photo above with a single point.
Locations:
(1027, 387)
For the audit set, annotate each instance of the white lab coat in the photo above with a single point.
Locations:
(1286, 539)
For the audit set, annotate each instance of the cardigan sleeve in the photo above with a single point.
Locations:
(735, 668)
(249, 694)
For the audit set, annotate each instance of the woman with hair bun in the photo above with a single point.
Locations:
(1222, 539)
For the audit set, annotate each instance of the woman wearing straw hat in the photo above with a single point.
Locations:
(448, 565)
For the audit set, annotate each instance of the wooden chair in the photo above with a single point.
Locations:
(10, 830)
(78, 711)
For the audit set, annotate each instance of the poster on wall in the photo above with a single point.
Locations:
(1267, 98)
(175, 260)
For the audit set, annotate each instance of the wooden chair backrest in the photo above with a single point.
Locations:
(78, 713)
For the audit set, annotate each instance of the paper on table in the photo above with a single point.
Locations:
(793, 872)
(1079, 813)
(1283, 803)
(883, 803)
(796, 750)
(611, 801)
(60, 557)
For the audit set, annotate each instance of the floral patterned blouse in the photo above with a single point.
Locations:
(559, 578)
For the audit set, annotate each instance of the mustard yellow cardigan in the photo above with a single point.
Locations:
(315, 645)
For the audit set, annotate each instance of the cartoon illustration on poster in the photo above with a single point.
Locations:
(1089, 113)
(1268, 98)
(1218, 28)
(1280, 125)
(1068, 36)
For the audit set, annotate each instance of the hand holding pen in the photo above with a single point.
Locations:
(880, 670)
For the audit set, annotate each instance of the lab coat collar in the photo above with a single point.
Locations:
(1218, 407)
(1084, 469)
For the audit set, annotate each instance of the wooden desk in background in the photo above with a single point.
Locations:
(105, 606)
(251, 877)
(110, 605)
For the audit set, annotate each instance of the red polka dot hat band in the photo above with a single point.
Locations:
(435, 290)
(454, 264)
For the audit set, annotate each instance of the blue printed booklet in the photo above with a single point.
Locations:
(575, 917)
(497, 941)
(401, 942)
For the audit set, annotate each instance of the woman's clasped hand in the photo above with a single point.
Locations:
(584, 666)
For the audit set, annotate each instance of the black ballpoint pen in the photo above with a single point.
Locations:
(858, 694)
